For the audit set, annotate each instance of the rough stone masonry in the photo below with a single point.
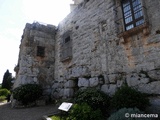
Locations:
(91, 48)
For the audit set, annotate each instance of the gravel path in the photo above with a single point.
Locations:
(33, 113)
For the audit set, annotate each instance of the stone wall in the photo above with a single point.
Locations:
(36, 66)
(99, 50)
(103, 55)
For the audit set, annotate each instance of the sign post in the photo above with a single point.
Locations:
(65, 107)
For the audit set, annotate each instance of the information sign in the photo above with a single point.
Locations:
(65, 106)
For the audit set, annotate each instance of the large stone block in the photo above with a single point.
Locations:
(68, 92)
(70, 84)
(57, 93)
(109, 89)
(112, 89)
(93, 81)
(150, 88)
(55, 85)
(105, 88)
(144, 81)
(61, 92)
(83, 82)
(136, 79)
(132, 80)
(154, 74)
(78, 71)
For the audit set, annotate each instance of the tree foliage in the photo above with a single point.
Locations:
(7, 80)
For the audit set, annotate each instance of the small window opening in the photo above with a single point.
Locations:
(66, 48)
(40, 51)
(67, 39)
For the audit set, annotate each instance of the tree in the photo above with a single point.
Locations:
(7, 80)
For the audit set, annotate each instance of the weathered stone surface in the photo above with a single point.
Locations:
(83, 82)
(69, 84)
(56, 93)
(34, 68)
(153, 39)
(109, 89)
(93, 81)
(69, 92)
(105, 88)
(113, 78)
(61, 92)
(150, 88)
(55, 85)
(112, 89)
(79, 71)
(106, 79)
(137, 79)
(154, 74)
(119, 83)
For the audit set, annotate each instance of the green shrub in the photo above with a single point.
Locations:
(125, 114)
(2, 98)
(27, 93)
(94, 98)
(4, 92)
(129, 98)
(84, 112)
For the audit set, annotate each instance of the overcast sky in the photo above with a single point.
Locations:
(14, 14)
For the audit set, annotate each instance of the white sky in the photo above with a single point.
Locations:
(14, 14)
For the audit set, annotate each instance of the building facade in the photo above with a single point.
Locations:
(101, 43)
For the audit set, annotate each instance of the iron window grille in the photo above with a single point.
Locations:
(132, 13)
(66, 47)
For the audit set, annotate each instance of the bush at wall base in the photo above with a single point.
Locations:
(129, 98)
(94, 98)
(84, 112)
(126, 114)
(27, 93)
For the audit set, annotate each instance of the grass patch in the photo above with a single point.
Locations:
(55, 117)
(2, 98)
(58, 117)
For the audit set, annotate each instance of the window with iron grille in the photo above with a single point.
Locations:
(132, 13)
(66, 47)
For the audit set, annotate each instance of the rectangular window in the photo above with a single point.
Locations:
(66, 48)
(40, 51)
(132, 13)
